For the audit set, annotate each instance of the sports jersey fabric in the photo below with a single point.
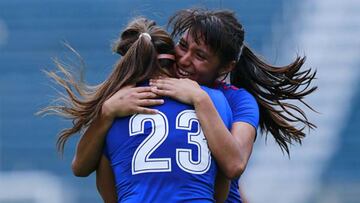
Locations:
(245, 109)
(164, 157)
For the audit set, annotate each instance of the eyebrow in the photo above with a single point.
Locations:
(202, 52)
(182, 40)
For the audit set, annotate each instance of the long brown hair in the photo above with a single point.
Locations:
(138, 63)
(270, 85)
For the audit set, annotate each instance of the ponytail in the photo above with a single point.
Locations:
(83, 103)
(272, 87)
(138, 64)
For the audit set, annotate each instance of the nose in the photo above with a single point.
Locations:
(184, 59)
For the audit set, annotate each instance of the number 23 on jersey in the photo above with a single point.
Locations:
(141, 161)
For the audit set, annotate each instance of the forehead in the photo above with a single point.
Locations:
(198, 42)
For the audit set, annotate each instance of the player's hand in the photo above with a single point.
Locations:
(130, 100)
(183, 90)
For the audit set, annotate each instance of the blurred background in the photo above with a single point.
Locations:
(326, 168)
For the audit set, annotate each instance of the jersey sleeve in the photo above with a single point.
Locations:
(244, 107)
(222, 106)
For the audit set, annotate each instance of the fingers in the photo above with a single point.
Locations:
(163, 85)
(163, 92)
(128, 86)
(173, 83)
(135, 93)
(160, 86)
(147, 95)
(171, 80)
(144, 110)
(168, 81)
(150, 102)
(142, 89)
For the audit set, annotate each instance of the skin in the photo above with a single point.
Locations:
(231, 149)
(196, 61)
(127, 101)
(105, 181)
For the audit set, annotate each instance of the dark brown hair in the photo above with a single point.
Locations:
(139, 62)
(271, 86)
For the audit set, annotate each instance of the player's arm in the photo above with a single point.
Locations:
(127, 101)
(105, 181)
(222, 187)
(90, 147)
(230, 149)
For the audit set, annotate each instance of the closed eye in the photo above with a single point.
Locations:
(182, 44)
(200, 55)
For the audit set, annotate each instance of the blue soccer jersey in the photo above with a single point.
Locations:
(245, 109)
(164, 157)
